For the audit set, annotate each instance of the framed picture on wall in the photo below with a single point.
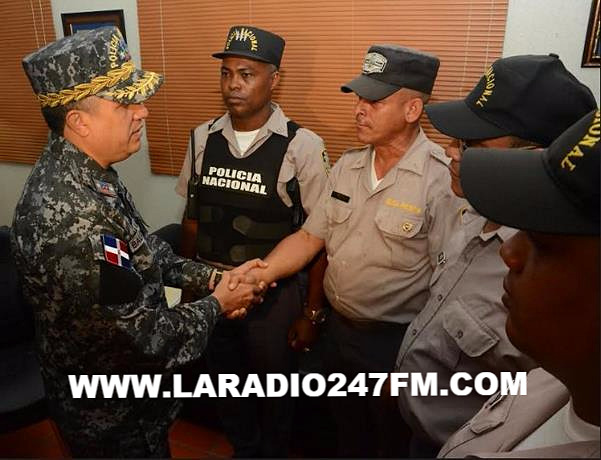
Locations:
(591, 57)
(74, 22)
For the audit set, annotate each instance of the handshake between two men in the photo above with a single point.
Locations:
(240, 289)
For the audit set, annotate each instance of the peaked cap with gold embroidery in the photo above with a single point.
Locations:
(89, 63)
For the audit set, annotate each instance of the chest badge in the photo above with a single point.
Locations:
(105, 188)
(407, 227)
(441, 259)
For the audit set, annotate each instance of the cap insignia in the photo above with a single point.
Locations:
(488, 89)
(117, 51)
(589, 140)
(243, 34)
(374, 63)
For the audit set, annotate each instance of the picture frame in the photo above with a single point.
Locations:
(74, 22)
(591, 56)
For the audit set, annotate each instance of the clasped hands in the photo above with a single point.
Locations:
(241, 288)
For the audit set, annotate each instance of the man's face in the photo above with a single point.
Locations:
(115, 129)
(246, 85)
(380, 122)
(455, 152)
(552, 294)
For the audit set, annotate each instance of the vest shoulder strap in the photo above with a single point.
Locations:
(292, 129)
(292, 186)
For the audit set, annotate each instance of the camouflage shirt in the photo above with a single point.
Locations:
(95, 279)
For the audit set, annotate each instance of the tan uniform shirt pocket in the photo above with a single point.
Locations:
(338, 212)
(402, 234)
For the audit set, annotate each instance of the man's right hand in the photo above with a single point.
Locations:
(302, 334)
(242, 297)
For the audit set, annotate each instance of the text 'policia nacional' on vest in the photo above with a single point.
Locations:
(235, 179)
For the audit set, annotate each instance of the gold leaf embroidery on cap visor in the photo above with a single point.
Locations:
(100, 83)
(145, 84)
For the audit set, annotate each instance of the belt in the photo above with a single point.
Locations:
(367, 324)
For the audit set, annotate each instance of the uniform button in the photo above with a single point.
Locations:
(459, 334)
(439, 297)
(413, 331)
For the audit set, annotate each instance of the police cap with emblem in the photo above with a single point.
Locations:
(551, 191)
(89, 63)
(532, 97)
(253, 43)
(388, 68)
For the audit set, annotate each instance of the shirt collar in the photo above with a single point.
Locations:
(413, 160)
(504, 233)
(83, 167)
(364, 160)
(470, 218)
(276, 123)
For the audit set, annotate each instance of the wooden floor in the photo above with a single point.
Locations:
(187, 440)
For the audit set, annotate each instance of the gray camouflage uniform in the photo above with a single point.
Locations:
(95, 317)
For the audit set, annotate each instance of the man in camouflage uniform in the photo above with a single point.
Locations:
(93, 274)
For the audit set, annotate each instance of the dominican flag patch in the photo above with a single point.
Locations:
(115, 251)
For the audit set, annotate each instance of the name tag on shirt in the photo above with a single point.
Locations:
(341, 197)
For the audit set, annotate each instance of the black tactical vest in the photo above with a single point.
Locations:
(240, 214)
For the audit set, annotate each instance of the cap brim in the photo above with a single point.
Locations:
(248, 55)
(512, 188)
(457, 120)
(139, 87)
(369, 88)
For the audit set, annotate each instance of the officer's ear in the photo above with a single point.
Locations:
(78, 122)
(75, 122)
(414, 109)
(275, 79)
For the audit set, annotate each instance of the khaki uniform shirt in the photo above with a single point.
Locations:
(461, 329)
(504, 421)
(306, 157)
(382, 244)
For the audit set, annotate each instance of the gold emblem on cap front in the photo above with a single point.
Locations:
(241, 35)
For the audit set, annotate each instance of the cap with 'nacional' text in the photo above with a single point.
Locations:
(253, 43)
(551, 191)
(531, 97)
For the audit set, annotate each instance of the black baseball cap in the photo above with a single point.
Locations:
(388, 68)
(551, 191)
(532, 97)
(253, 43)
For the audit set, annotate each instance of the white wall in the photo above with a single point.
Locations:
(533, 27)
(551, 26)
